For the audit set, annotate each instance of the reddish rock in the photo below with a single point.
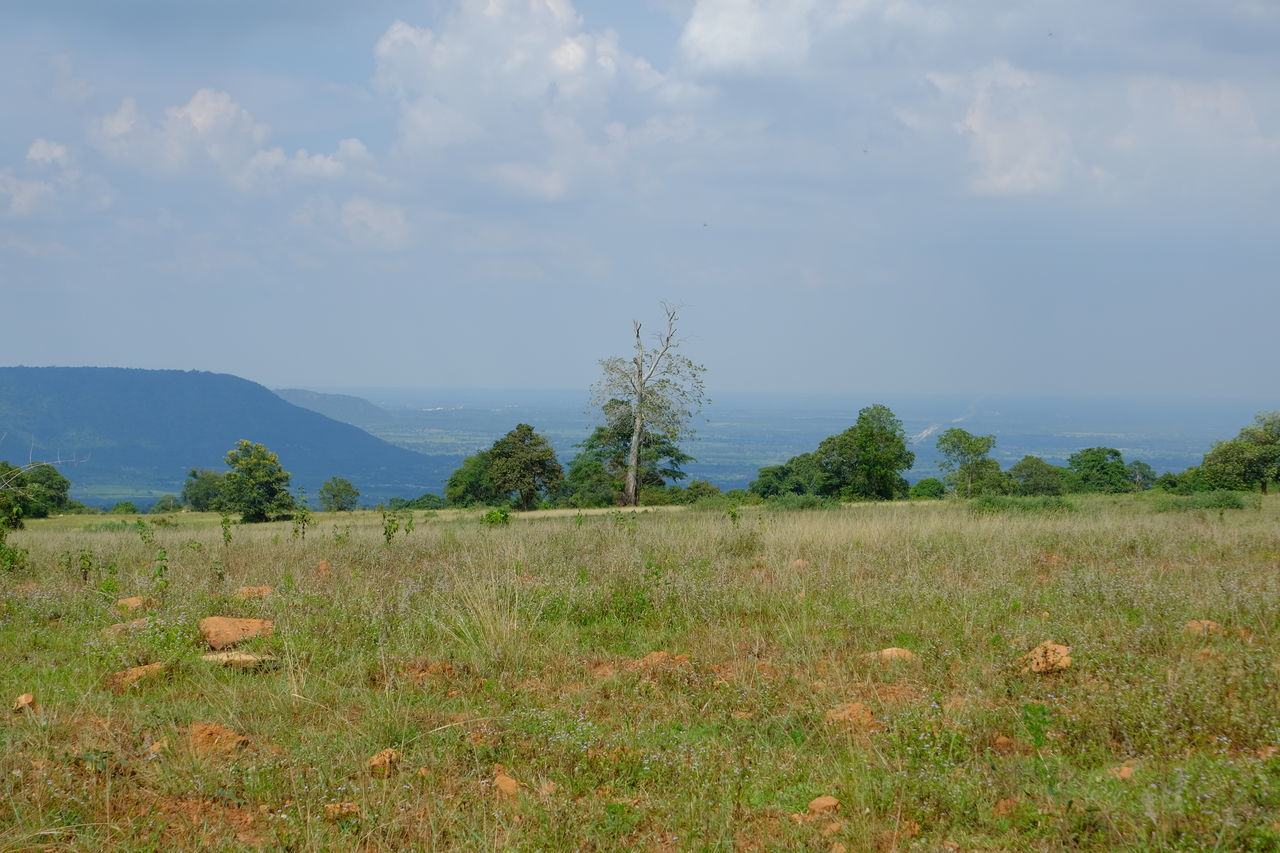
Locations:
(222, 632)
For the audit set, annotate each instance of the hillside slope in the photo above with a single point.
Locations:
(139, 431)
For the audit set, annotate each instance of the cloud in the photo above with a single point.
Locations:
(1015, 146)
(212, 130)
(44, 152)
(19, 197)
(374, 225)
(535, 97)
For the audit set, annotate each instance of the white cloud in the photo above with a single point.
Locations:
(45, 152)
(374, 225)
(212, 129)
(19, 197)
(522, 83)
(1015, 146)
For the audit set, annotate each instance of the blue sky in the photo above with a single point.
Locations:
(845, 195)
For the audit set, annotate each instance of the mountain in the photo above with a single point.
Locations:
(135, 433)
(341, 407)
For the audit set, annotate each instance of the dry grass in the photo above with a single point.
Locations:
(511, 671)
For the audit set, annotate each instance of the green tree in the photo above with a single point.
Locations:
(799, 475)
(36, 490)
(124, 508)
(1250, 459)
(257, 486)
(523, 462)
(337, 494)
(866, 461)
(1032, 476)
(471, 485)
(963, 455)
(203, 489)
(661, 389)
(165, 504)
(930, 488)
(1099, 469)
(427, 501)
(598, 473)
(1141, 475)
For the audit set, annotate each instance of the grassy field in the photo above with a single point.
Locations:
(694, 680)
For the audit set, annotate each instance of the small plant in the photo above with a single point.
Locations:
(1043, 505)
(301, 517)
(226, 529)
(164, 521)
(85, 562)
(1037, 719)
(109, 586)
(390, 524)
(145, 533)
(11, 558)
(496, 517)
(341, 534)
(160, 571)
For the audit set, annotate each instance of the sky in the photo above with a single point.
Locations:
(909, 196)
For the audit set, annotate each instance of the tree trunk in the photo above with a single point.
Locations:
(633, 461)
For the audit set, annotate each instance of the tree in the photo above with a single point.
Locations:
(1099, 469)
(799, 475)
(1251, 458)
(203, 489)
(337, 494)
(866, 461)
(35, 490)
(661, 389)
(471, 484)
(165, 504)
(124, 508)
(1032, 476)
(597, 474)
(930, 488)
(524, 463)
(962, 456)
(257, 485)
(1141, 475)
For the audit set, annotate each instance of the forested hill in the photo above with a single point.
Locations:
(140, 431)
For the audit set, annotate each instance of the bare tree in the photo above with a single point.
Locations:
(661, 389)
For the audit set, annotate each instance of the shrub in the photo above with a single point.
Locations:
(1216, 499)
(793, 501)
(1042, 505)
(496, 517)
(930, 488)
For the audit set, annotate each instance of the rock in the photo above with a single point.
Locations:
(856, 716)
(504, 786)
(1047, 658)
(135, 603)
(891, 654)
(25, 702)
(250, 592)
(1124, 772)
(825, 804)
(384, 763)
(1202, 627)
(156, 748)
(122, 628)
(323, 570)
(214, 739)
(341, 811)
(1005, 807)
(119, 682)
(221, 632)
(658, 660)
(241, 660)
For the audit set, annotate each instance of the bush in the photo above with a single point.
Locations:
(930, 488)
(1042, 505)
(124, 508)
(496, 517)
(794, 501)
(1216, 499)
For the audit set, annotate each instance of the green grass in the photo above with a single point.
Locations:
(466, 646)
